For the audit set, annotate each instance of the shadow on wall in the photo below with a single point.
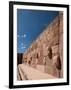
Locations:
(19, 58)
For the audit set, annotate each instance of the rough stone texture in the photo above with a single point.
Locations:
(29, 73)
(37, 53)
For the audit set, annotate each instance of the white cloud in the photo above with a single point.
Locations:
(18, 35)
(23, 47)
(23, 35)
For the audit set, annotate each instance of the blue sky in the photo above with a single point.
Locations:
(30, 24)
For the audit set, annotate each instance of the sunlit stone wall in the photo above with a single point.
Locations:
(37, 54)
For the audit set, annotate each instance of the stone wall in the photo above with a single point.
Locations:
(37, 53)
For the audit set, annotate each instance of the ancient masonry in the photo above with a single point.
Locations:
(46, 52)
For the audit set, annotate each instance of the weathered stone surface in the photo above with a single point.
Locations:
(29, 73)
